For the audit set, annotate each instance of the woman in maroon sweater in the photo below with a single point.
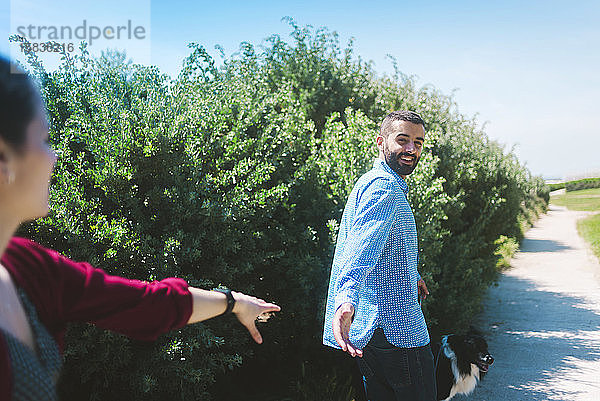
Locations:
(41, 290)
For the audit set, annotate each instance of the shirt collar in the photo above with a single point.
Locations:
(380, 164)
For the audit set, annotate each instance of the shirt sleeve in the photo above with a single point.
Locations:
(373, 221)
(77, 292)
(138, 309)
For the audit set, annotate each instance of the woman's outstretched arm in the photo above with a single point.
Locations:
(68, 291)
(208, 304)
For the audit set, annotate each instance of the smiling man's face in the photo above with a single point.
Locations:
(401, 147)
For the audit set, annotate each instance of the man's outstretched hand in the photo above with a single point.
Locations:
(341, 329)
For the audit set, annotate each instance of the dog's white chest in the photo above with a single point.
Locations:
(463, 384)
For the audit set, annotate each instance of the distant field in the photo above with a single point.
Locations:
(586, 200)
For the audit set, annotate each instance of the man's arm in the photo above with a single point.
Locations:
(374, 217)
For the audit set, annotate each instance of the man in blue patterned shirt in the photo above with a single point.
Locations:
(373, 309)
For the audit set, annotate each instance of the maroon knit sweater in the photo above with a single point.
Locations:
(66, 291)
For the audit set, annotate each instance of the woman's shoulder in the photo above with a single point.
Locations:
(33, 268)
(37, 270)
(23, 247)
(25, 257)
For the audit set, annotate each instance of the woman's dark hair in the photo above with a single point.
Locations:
(19, 102)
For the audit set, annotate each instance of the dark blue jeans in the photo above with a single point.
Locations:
(398, 374)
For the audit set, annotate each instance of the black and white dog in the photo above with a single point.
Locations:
(461, 361)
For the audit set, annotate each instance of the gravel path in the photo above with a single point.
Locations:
(542, 321)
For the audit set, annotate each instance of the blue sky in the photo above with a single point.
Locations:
(528, 69)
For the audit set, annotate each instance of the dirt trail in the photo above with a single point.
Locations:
(542, 321)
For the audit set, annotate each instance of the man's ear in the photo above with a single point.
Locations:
(379, 141)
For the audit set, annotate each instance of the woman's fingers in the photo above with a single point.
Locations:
(254, 332)
(250, 309)
(266, 312)
(271, 308)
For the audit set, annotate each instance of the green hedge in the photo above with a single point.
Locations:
(238, 175)
(554, 187)
(586, 183)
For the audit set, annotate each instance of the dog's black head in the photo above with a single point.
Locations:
(477, 351)
(471, 348)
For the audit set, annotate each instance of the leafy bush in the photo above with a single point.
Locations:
(238, 175)
(586, 183)
(554, 187)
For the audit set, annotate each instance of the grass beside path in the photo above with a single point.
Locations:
(589, 228)
(585, 200)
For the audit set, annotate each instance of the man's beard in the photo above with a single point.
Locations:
(392, 160)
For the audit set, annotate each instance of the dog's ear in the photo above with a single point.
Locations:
(474, 331)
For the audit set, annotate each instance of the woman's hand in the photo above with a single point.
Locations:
(249, 309)
(208, 304)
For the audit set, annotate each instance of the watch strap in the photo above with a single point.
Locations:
(230, 299)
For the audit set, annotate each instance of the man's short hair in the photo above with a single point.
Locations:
(401, 115)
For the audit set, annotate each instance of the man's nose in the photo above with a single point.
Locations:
(410, 147)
